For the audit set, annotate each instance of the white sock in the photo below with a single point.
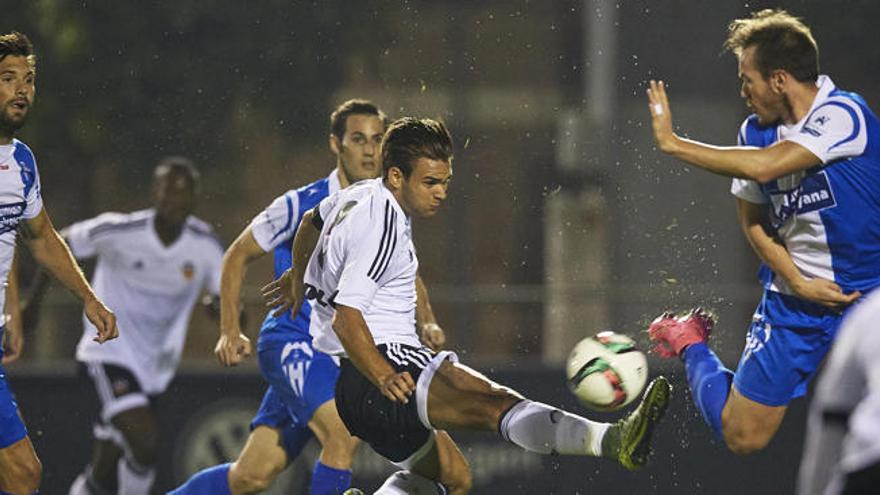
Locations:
(540, 428)
(409, 483)
(135, 479)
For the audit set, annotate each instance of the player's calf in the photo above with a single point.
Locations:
(20, 469)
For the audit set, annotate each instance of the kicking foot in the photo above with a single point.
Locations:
(673, 333)
(629, 440)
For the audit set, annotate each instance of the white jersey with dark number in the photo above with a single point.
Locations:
(151, 288)
(365, 260)
(20, 199)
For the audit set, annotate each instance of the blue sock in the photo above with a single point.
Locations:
(208, 481)
(329, 481)
(709, 382)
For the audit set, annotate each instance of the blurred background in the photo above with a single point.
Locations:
(563, 219)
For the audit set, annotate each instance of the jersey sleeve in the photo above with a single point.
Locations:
(834, 130)
(83, 237)
(370, 241)
(277, 222)
(33, 195)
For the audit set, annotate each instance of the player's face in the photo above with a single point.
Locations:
(767, 104)
(17, 90)
(426, 188)
(175, 198)
(358, 152)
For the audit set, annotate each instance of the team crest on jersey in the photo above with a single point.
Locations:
(812, 194)
(815, 126)
(10, 216)
(188, 270)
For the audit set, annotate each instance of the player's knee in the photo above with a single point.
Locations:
(743, 441)
(459, 480)
(144, 448)
(246, 481)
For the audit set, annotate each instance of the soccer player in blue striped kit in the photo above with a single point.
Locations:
(22, 214)
(807, 180)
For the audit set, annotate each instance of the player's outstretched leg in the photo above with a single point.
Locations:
(686, 336)
(630, 438)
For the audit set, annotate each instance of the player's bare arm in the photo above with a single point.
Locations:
(13, 336)
(758, 164)
(233, 346)
(430, 332)
(355, 337)
(50, 250)
(752, 219)
(288, 291)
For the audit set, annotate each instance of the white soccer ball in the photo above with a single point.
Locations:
(606, 372)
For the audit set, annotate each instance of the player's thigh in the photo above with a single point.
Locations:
(262, 457)
(445, 463)
(749, 425)
(461, 397)
(19, 466)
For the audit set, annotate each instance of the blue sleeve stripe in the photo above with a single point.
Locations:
(289, 219)
(28, 164)
(857, 127)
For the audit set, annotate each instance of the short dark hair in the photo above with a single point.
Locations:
(353, 107)
(17, 45)
(177, 165)
(781, 41)
(408, 139)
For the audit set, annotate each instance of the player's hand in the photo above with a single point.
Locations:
(232, 350)
(278, 294)
(398, 387)
(661, 117)
(432, 336)
(103, 319)
(13, 343)
(824, 292)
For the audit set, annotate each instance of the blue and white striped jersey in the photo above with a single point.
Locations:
(274, 229)
(827, 215)
(20, 198)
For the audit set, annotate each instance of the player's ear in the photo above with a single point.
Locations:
(778, 78)
(395, 177)
(335, 145)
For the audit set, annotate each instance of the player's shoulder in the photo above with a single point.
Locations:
(116, 223)
(201, 230)
(319, 187)
(24, 155)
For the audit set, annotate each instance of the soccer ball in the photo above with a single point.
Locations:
(606, 372)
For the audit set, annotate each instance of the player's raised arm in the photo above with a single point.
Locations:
(752, 219)
(50, 250)
(430, 332)
(759, 164)
(233, 345)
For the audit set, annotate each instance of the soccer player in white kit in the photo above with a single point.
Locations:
(807, 182)
(22, 212)
(842, 448)
(393, 392)
(152, 267)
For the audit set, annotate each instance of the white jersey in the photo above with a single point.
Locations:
(151, 287)
(825, 215)
(364, 259)
(20, 199)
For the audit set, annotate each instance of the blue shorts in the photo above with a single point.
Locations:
(786, 342)
(12, 428)
(300, 379)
